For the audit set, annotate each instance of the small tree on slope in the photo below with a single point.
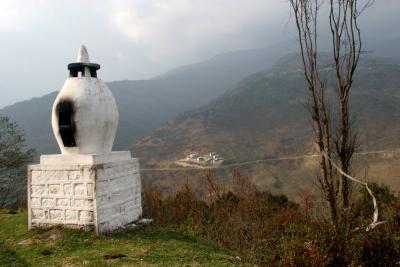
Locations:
(13, 158)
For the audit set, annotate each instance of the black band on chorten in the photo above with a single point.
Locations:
(76, 67)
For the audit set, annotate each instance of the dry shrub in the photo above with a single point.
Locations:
(380, 246)
(270, 230)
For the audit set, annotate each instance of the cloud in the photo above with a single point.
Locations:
(138, 39)
(11, 18)
(169, 27)
(16, 15)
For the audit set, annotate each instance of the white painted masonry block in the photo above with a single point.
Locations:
(99, 192)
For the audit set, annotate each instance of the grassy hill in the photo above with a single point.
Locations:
(147, 246)
(265, 117)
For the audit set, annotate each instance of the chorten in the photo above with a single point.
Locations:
(88, 185)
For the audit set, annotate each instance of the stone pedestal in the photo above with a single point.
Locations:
(98, 192)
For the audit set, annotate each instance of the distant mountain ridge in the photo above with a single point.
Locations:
(265, 116)
(145, 105)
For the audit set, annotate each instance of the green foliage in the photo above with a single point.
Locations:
(13, 158)
(12, 145)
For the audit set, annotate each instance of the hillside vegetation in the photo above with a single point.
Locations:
(265, 117)
(269, 230)
(236, 226)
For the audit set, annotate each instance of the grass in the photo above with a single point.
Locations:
(146, 246)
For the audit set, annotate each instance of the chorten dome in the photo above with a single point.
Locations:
(85, 115)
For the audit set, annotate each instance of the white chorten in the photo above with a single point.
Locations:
(84, 116)
(87, 185)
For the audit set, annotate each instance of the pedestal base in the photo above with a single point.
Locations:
(99, 192)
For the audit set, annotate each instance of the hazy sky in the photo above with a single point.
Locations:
(136, 39)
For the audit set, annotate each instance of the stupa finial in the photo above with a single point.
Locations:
(83, 55)
(83, 65)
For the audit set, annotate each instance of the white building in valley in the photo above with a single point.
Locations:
(207, 159)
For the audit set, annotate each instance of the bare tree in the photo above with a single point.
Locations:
(347, 45)
(333, 132)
